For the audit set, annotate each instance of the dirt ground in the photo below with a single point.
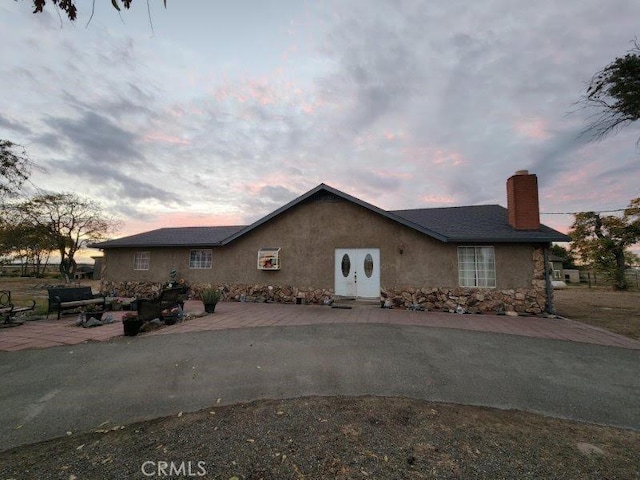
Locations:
(347, 438)
(613, 310)
(336, 438)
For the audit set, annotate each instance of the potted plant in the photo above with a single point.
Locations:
(93, 311)
(131, 323)
(116, 304)
(170, 315)
(210, 297)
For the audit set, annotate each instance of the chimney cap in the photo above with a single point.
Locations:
(522, 172)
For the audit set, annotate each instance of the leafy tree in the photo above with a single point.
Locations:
(15, 169)
(69, 220)
(614, 92)
(30, 244)
(601, 241)
(568, 258)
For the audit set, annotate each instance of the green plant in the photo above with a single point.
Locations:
(210, 295)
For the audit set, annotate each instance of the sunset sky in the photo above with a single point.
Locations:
(222, 112)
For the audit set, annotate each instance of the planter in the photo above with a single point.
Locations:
(131, 326)
(170, 319)
(210, 307)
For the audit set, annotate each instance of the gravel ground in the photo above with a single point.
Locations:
(336, 438)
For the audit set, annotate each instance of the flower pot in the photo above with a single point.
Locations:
(170, 319)
(131, 326)
(209, 307)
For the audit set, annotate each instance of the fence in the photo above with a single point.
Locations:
(599, 279)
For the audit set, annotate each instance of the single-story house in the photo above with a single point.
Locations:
(327, 243)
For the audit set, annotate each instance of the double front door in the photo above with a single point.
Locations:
(357, 272)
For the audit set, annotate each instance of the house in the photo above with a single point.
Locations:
(327, 243)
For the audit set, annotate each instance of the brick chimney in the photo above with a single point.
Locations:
(522, 201)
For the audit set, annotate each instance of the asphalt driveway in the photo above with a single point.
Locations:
(49, 392)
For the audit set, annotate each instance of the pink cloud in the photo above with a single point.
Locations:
(153, 137)
(438, 199)
(534, 129)
(433, 155)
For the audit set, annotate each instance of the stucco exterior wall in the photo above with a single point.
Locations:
(308, 235)
(425, 272)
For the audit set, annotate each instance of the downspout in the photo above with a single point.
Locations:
(547, 282)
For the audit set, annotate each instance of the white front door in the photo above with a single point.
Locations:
(357, 272)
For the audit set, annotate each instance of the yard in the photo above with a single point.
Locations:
(344, 438)
(616, 311)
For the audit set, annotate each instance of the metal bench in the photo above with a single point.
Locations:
(8, 310)
(70, 298)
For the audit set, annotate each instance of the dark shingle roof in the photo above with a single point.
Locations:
(174, 237)
(484, 223)
(481, 223)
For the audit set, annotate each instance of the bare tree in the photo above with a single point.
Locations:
(70, 221)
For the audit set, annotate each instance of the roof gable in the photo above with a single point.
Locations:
(327, 189)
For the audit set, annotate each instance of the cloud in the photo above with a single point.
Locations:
(14, 126)
(403, 103)
(97, 138)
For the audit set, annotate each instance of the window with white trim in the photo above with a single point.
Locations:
(141, 260)
(201, 258)
(477, 267)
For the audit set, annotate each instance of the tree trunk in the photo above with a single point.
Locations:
(620, 279)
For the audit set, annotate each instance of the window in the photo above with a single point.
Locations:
(141, 260)
(476, 267)
(269, 259)
(200, 259)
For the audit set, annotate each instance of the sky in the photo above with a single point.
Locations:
(217, 113)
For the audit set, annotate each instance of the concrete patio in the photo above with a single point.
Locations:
(233, 315)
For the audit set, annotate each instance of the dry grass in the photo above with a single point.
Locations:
(616, 311)
(25, 289)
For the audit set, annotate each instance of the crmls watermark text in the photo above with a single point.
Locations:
(161, 468)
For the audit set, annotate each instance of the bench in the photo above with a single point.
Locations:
(8, 310)
(70, 298)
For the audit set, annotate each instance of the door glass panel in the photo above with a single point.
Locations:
(368, 265)
(346, 265)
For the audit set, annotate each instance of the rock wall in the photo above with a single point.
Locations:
(248, 293)
(532, 300)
